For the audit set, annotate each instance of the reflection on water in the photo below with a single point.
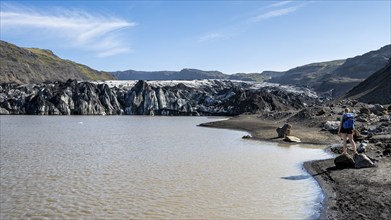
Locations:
(148, 167)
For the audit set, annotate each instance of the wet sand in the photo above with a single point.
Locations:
(349, 193)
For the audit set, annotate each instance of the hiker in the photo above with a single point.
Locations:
(345, 130)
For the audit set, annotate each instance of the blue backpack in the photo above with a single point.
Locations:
(348, 121)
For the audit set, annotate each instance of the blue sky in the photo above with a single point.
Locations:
(229, 36)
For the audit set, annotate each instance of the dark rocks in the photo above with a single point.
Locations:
(344, 161)
(362, 161)
(364, 110)
(387, 151)
(284, 130)
(380, 138)
(336, 148)
(321, 112)
(377, 109)
(357, 161)
(246, 137)
(362, 148)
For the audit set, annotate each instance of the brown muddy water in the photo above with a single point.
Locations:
(116, 167)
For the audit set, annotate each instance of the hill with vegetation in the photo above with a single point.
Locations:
(33, 65)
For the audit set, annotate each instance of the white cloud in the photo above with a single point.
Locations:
(72, 28)
(210, 36)
(278, 4)
(274, 13)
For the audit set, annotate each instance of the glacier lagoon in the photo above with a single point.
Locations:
(149, 167)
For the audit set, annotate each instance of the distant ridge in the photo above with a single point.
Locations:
(376, 89)
(33, 65)
(336, 77)
(185, 74)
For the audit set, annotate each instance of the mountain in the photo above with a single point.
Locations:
(307, 75)
(339, 76)
(361, 67)
(375, 89)
(185, 74)
(32, 65)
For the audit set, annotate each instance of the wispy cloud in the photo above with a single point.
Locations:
(279, 4)
(274, 13)
(267, 12)
(210, 36)
(96, 33)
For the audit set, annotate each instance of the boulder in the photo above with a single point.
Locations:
(357, 136)
(362, 148)
(292, 139)
(4, 111)
(344, 161)
(362, 161)
(246, 137)
(321, 112)
(336, 148)
(377, 109)
(331, 125)
(284, 130)
(364, 110)
(387, 152)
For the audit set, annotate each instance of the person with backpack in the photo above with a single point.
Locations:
(345, 130)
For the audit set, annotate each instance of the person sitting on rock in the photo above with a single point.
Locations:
(345, 130)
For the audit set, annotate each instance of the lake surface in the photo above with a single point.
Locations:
(149, 167)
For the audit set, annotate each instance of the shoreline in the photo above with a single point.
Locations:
(347, 193)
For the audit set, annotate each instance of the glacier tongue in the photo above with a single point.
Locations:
(196, 97)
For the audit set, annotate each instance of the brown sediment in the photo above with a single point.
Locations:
(348, 193)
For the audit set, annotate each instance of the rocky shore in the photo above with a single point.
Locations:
(349, 193)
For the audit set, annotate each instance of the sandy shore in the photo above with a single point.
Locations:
(349, 193)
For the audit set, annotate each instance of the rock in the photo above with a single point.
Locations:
(344, 161)
(357, 136)
(362, 148)
(362, 161)
(364, 110)
(364, 132)
(331, 125)
(336, 148)
(284, 130)
(380, 138)
(246, 137)
(321, 112)
(387, 151)
(361, 119)
(377, 109)
(292, 139)
(4, 111)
